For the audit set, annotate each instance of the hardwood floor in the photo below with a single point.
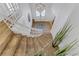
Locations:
(45, 24)
(12, 44)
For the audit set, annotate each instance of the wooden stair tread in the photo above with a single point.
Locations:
(43, 40)
(21, 51)
(30, 46)
(4, 36)
(3, 28)
(5, 42)
(11, 47)
(47, 38)
(40, 43)
(37, 45)
(49, 50)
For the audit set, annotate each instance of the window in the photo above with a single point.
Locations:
(37, 13)
(43, 13)
(40, 10)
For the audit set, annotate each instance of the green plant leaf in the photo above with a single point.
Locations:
(63, 51)
(61, 34)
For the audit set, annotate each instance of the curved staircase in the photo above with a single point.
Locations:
(12, 44)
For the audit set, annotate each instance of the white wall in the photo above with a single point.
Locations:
(74, 34)
(3, 11)
(63, 11)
